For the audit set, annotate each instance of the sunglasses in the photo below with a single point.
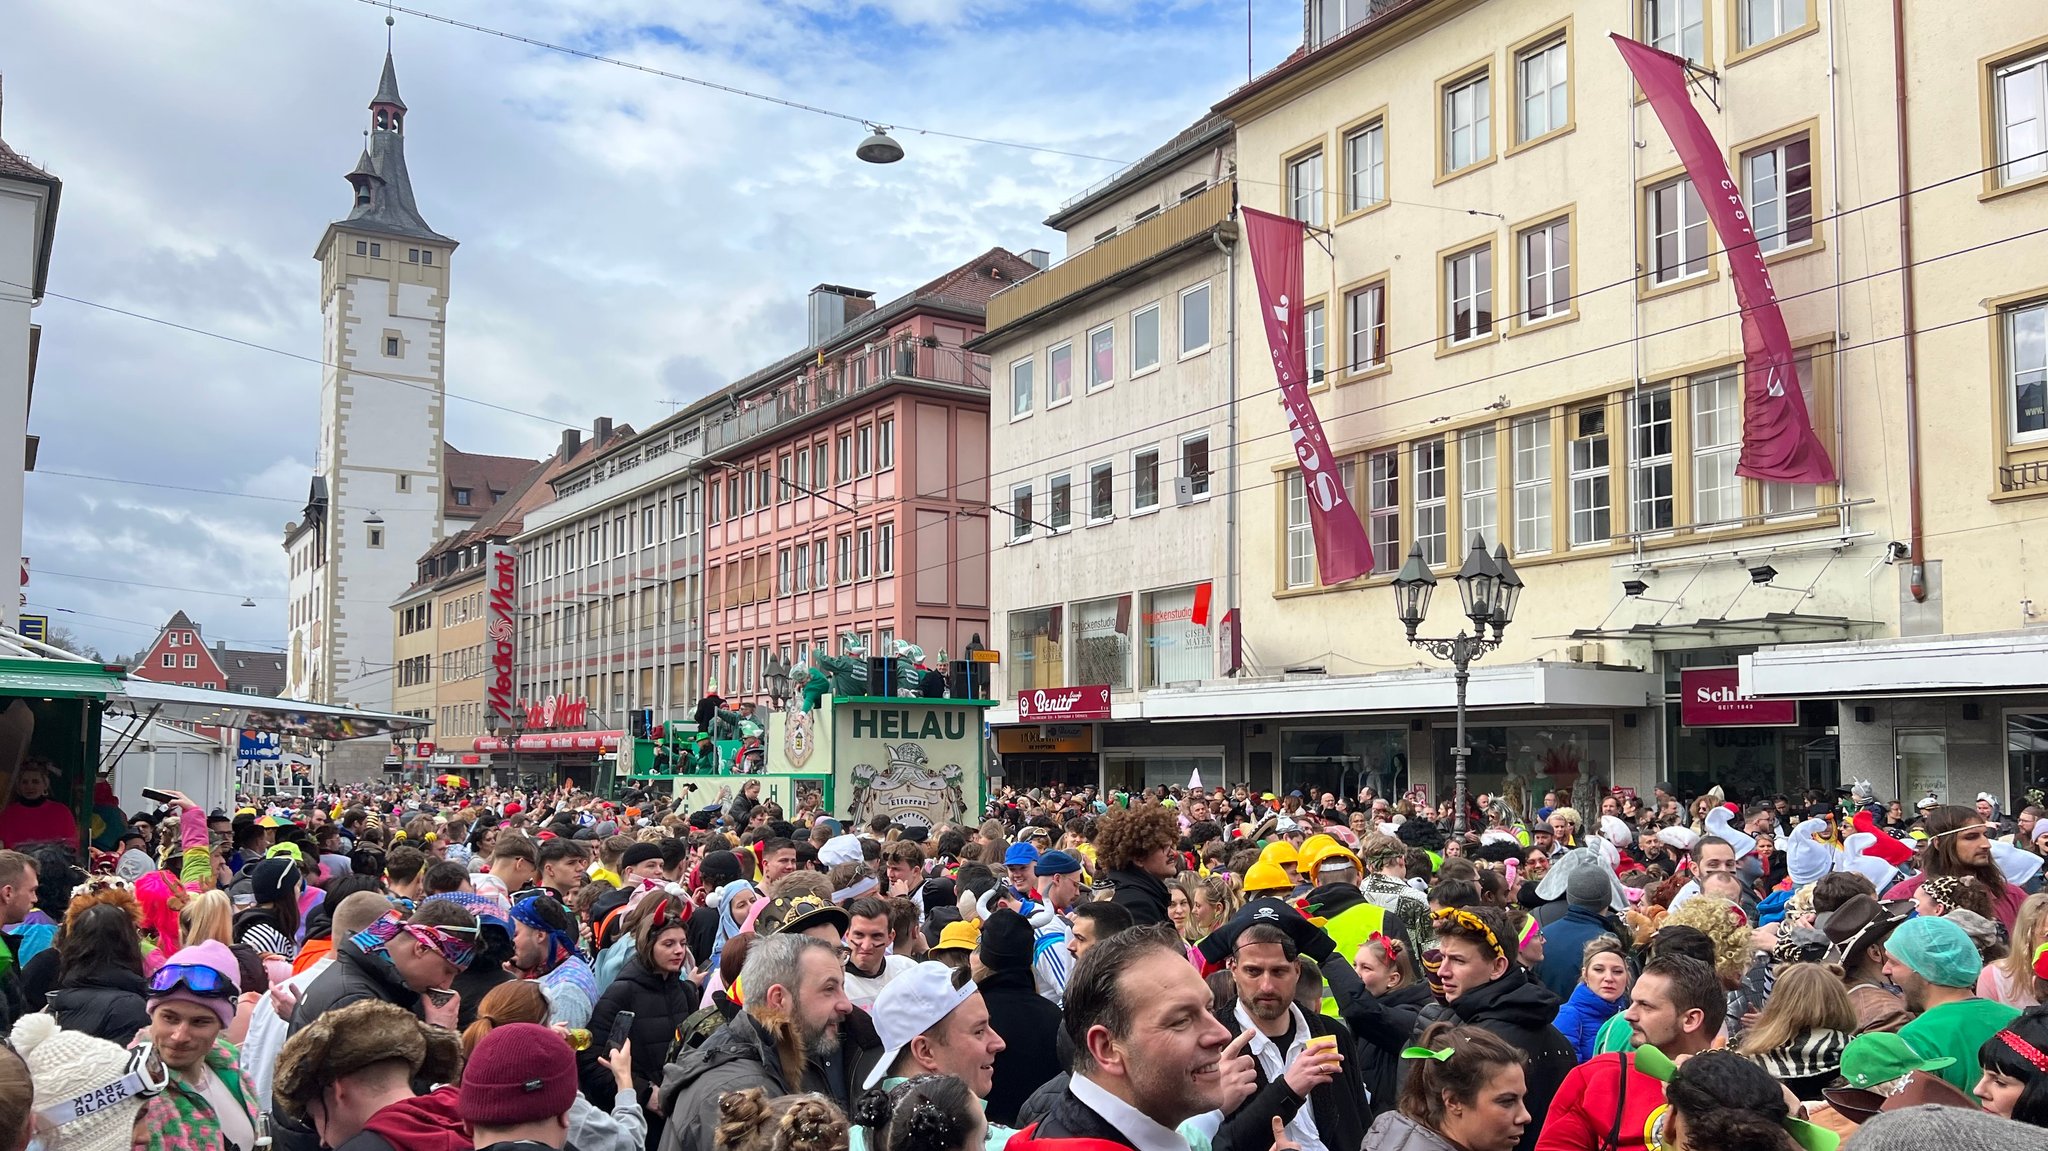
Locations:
(199, 980)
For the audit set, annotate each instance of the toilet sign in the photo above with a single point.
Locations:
(1708, 697)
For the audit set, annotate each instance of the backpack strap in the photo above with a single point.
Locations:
(1613, 1140)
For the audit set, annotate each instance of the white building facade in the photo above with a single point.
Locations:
(28, 225)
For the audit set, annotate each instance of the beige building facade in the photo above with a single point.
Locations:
(1535, 340)
(1109, 430)
(1523, 328)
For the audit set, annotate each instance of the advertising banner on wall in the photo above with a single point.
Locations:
(1778, 441)
(501, 633)
(1707, 697)
(1342, 550)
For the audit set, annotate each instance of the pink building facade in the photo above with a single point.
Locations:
(847, 489)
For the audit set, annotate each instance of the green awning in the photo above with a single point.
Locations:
(56, 679)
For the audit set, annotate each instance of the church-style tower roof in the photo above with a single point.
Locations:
(383, 188)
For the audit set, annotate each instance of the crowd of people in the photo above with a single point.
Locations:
(1168, 970)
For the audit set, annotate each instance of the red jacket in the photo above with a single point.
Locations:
(424, 1123)
(1584, 1114)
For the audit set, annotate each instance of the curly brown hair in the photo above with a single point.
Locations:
(751, 1121)
(1126, 835)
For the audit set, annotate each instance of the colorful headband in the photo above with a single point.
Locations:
(1471, 922)
(2024, 1049)
(379, 934)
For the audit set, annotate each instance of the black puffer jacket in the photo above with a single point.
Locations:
(353, 978)
(1142, 893)
(1519, 1010)
(105, 1004)
(659, 1004)
(1382, 1027)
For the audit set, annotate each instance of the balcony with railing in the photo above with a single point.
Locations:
(813, 390)
(1094, 266)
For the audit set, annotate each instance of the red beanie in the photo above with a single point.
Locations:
(520, 1073)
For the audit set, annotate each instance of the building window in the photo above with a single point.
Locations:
(1676, 26)
(1176, 644)
(1145, 339)
(1305, 188)
(1678, 231)
(843, 472)
(377, 250)
(1468, 294)
(885, 444)
(1531, 444)
(403, 481)
(2020, 93)
(864, 553)
(1591, 498)
(1366, 322)
(1101, 493)
(1060, 502)
(191, 660)
(1479, 485)
(427, 256)
(785, 569)
(782, 488)
(1649, 465)
(1763, 20)
(1468, 122)
(1020, 388)
(1332, 18)
(1314, 334)
(1101, 357)
(1542, 90)
(864, 449)
(1145, 480)
(1194, 320)
(391, 345)
(885, 549)
(1431, 503)
(412, 255)
(1546, 252)
(1034, 658)
(1778, 190)
(1301, 540)
(1383, 505)
(820, 576)
(463, 496)
(1365, 166)
(1102, 642)
(1059, 375)
(845, 558)
(1194, 464)
(362, 247)
(376, 537)
(170, 660)
(2026, 372)
(1020, 512)
(1716, 448)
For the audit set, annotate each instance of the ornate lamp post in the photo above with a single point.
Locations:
(776, 673)
(1488, 590)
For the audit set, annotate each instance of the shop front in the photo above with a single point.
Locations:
(548, 759)
(1749, 746)
(1058, 755)
(1947, 716)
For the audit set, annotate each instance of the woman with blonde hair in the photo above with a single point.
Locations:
(1212, 900)
(210, 915)
(1801, 1033)
(625, 1127)
(2011, 980)
(1725, 924)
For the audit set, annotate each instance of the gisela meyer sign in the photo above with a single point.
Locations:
(1707, 697)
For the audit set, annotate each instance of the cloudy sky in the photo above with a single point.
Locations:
(626, 239)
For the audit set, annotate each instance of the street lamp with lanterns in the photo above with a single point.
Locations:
(1488, 590)
(776, 674)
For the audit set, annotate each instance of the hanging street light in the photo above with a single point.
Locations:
(1488, 591)
(879, 148)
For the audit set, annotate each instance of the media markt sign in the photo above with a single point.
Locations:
(909, 761)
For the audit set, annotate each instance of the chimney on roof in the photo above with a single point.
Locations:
(220, 645)
(601, 431)
(572, 439)
(1039, 258)
(833, 307)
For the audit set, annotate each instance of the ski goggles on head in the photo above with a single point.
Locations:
(198, 979)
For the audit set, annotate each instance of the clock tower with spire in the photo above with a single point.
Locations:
(375, 501)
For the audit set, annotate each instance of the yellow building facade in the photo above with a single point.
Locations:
(1527, 332)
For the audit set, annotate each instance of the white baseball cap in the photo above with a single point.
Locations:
(912, 1004)
(840, 849)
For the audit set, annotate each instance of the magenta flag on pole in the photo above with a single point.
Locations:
(1778, 442)
(1342, 550)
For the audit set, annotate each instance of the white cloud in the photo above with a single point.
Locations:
(625, 239)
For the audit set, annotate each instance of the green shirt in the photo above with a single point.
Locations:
(1957, 1030)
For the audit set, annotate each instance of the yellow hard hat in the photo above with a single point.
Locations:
(1266, 876)
(1312, 849)
(1330, 858)
(1280, 853)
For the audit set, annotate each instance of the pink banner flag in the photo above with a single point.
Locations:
(1778, 442)
(1342, 550)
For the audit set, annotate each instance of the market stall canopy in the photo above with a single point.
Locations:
(255, 712)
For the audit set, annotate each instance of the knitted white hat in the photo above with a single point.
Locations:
(67, 1064)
